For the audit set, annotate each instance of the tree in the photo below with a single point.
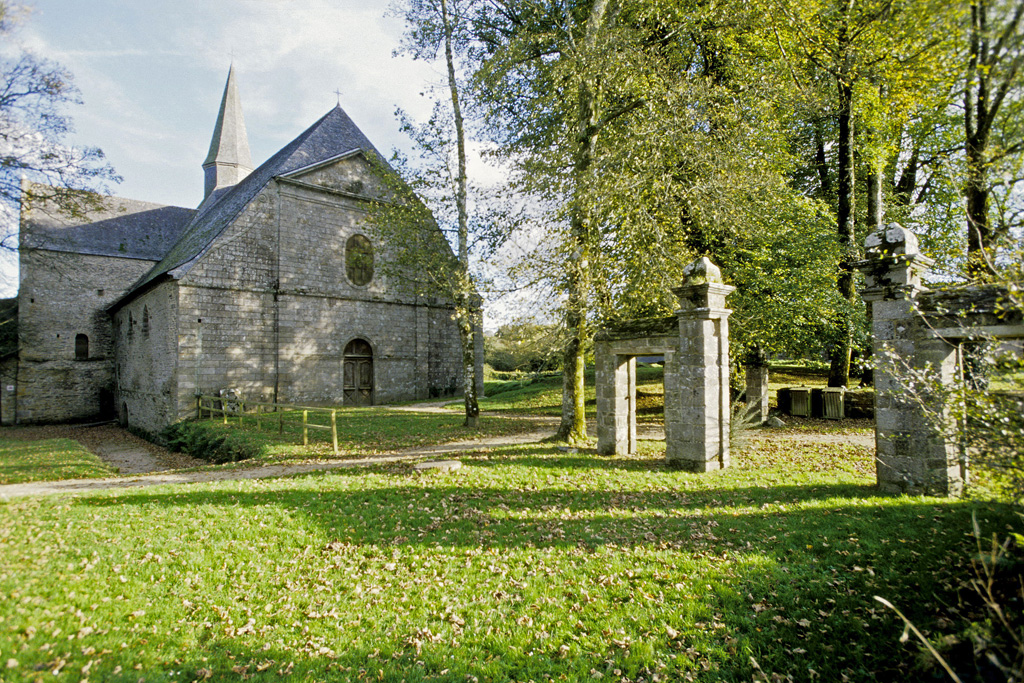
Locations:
(33, 130)
(561, 83)
(865, 59)
(434, 26)
(993, 133)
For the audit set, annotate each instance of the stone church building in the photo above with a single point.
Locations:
(272, 287)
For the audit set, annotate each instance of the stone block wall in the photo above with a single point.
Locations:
(225, 340)
(287, 342)
(266, 309)
(63, 295)
(146, 369)
(700, 425)
(697, 405)
(615, 386)
(8, 387)
(700, 389)
(912, 454)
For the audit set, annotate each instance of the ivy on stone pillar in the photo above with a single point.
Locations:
(914, 452)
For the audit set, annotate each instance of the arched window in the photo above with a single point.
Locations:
(131, 326)
(81, 347)
(359, 260)
(145, 322)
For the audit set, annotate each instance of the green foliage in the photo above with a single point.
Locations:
(210, 441)
(524, 347)
(362, 432)
(46, 460)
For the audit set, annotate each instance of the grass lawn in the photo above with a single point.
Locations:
(48, 460)
(541, 394)
(362, 432)
(526, 564)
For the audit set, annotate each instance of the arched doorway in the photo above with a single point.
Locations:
(358, 373)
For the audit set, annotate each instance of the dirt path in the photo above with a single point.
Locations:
(152, 465)
(156, 478)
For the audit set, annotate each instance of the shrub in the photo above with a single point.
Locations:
(209, 442)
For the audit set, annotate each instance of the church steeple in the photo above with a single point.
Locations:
(229, 160)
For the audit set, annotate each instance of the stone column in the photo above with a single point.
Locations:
(914, 450)
(757, 387)
(698, 437)
(615, 381)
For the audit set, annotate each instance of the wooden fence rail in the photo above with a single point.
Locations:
(267, 412)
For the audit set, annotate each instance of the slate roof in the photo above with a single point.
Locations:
(331, 136)
(125, 228)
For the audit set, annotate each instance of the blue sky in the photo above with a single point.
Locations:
(151, 73)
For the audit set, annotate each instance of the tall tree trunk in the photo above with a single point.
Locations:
(994, 66)
(573, 426)
(467, 300)
(903, 190)
(839, 370)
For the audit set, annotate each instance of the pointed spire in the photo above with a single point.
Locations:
(229, 160)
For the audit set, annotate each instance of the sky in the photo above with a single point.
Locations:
(151, 74)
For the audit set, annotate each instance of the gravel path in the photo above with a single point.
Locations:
(150, 465)
(116, 446)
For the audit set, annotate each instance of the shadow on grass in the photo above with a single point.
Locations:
(568, 517)
(769, 563)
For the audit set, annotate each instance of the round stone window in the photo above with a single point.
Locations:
(359, 260)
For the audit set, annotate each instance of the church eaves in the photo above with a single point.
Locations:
(229, 159)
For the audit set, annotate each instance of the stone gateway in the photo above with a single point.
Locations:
(271, 287)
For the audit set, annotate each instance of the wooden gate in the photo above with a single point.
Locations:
(358, 374)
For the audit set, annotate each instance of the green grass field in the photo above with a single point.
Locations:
(361, 432)
(47, 460)
(527, 564)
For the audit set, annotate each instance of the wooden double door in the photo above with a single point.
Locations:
(357, 375)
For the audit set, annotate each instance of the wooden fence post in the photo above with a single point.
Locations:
(334, 430)
(305, 430)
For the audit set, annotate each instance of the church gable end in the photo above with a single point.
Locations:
(260, 290)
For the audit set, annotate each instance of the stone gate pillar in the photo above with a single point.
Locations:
(616, 400)
(914, 454)
(757, 386)
(697, 406)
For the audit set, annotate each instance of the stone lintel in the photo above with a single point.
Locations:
(703, 313)
(983, 331)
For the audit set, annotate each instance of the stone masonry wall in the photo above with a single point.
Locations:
(615, 385)
(294, 235)
(61, 296)
(145, 363)
(225, 341)
(912, 455)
